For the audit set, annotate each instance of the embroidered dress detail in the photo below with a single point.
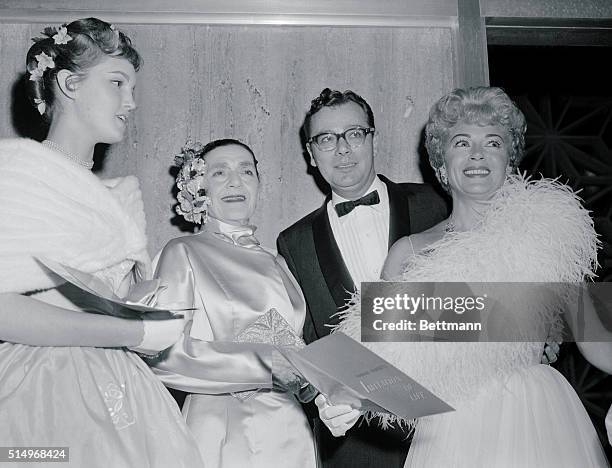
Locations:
(118, 405)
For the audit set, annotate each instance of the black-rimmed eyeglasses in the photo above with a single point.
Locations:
(354, 137)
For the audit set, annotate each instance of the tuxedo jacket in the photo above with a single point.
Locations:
(314, 258)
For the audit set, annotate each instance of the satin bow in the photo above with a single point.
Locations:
(240, 235)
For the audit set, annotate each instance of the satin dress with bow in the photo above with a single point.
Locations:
(230, 281)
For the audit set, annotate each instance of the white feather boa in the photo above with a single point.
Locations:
(52, 207)
(534, 231)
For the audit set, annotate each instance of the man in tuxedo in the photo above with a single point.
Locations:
(345, 242)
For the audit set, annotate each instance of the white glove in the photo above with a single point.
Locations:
(551, 352)
(159, 335)
(337, 418)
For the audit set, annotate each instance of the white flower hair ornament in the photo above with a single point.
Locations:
(62, 36)
(115, 31)
(40, 105)
(43, 62)
(192, 200)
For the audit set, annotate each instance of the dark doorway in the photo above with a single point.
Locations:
(566, 95)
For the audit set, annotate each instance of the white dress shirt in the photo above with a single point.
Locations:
(363, 234)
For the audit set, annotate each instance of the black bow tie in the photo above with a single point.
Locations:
(346, 207)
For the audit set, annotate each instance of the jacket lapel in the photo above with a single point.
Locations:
(399, 212)
(333, 268)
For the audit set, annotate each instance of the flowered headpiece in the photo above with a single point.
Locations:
(192, 200)
(115, 31)
(60, 36)
(44, 62)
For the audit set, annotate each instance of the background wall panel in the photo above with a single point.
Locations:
(255, 83)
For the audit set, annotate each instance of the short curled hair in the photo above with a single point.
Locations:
(91, 40)
(481, 105)
(332, 98)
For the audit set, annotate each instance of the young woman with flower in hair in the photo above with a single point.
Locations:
(67, 379)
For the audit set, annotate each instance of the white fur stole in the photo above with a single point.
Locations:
(51, 207)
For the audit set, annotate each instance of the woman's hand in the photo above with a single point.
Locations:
(159, 335)
(337, 418)
(287, 379)
(551, 352)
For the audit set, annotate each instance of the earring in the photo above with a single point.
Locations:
(442, 175)
(510, 169)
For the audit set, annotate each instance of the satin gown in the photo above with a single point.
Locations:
(510, 410)
(230, 286)
(104, 404)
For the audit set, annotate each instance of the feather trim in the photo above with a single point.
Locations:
(534, 231)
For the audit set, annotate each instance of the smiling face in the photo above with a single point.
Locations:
(349, 171)
(104, 98)
(476, 159)
(232, 184)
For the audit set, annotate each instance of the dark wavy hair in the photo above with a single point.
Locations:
(208, 147)
(332, 98)
(92, 40)
(480, 105)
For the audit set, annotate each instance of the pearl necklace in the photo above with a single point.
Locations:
(54, 146)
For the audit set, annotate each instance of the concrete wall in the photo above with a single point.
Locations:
(255, 83)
